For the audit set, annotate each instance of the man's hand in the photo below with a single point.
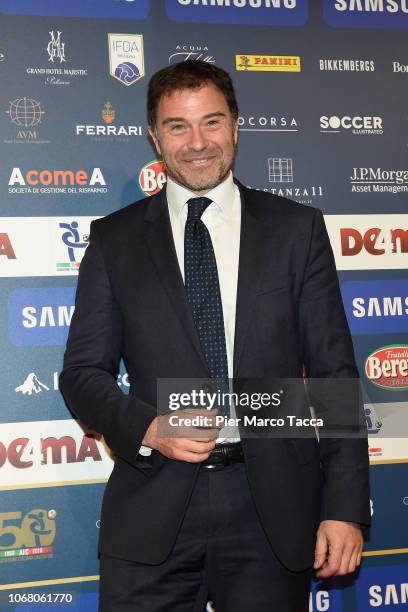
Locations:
(185, 443)
(339, 545)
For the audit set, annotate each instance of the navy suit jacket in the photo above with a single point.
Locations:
(131, 304)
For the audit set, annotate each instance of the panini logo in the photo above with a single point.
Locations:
(387, 367)
(268, 63)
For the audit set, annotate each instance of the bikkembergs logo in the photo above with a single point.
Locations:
(387, 367)
(359, 125)
(57, 181)
(379, 180)
(346, 65)
(256, 12)
(109, 131)
(268, 63)
(366, 13)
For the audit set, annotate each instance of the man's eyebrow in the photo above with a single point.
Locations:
(181, 119)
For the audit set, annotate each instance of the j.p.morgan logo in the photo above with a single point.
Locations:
(348, 124)
(387, 367)
(379, 180)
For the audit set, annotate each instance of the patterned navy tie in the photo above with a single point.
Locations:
(203, 293)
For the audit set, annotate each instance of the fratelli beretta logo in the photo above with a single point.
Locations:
(256, 12)
(366, 13)
(126, 57)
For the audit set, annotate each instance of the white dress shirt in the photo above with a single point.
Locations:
(223, 220)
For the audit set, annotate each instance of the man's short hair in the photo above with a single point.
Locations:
(191, 74)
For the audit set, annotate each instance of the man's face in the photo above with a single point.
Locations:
(196, 136)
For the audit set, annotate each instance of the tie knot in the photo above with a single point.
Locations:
(196, 207)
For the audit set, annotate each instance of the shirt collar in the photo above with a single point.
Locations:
(222, 195)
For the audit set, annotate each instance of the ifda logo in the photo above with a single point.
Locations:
(126, 57)
(152, 177)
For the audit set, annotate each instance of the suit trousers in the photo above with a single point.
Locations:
(221, 554)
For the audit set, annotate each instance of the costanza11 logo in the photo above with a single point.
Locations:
(109, 131)
(126, 57)
(281, 182)
(254, 12)
(25, 116)
(58, 70)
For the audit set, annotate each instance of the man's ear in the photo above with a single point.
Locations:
(154, 137)
(236, 131)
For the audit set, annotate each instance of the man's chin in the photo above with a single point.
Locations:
(201, 184)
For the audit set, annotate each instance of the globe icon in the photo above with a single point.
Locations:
(127, 72)
(25, 112)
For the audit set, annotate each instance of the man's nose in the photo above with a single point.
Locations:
(197, 139)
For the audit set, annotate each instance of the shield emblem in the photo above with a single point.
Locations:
(126, 57)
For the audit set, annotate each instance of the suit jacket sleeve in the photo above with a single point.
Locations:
(91, 361)
(328, 353)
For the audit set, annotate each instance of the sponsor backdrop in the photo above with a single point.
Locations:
(322, 88)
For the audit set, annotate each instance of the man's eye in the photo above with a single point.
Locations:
(211, 123)
(177, 127)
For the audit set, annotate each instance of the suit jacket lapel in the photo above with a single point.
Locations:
(252, 255)
(162, 250)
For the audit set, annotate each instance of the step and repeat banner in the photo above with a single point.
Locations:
(322, 87)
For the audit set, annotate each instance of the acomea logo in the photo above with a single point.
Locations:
(152, 177)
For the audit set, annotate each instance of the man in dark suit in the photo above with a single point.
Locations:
(209, 279)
